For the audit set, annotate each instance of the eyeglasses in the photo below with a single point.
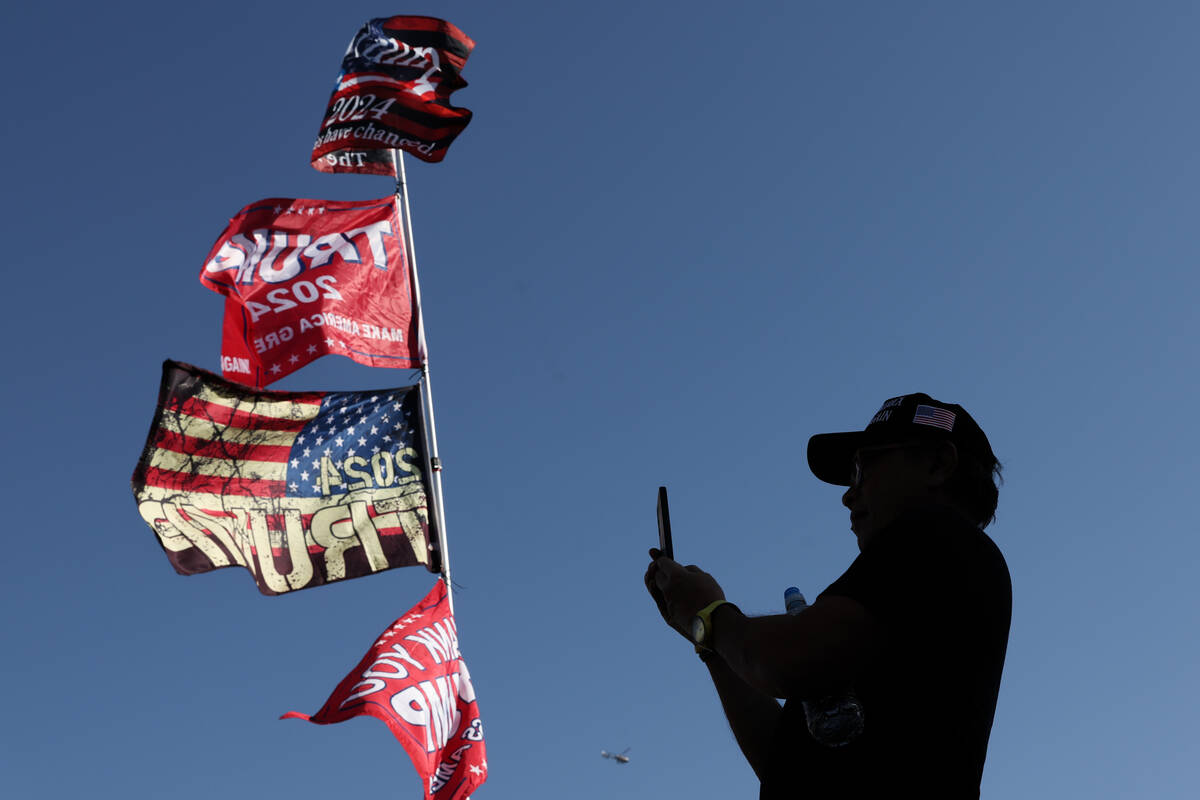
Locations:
(857, 473)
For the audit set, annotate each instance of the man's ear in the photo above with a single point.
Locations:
(943, 464)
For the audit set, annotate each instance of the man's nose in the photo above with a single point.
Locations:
(850, 496)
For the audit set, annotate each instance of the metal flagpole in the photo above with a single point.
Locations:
(433, 463)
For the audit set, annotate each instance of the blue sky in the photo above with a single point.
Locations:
(676, 240)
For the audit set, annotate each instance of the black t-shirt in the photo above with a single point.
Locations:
(941, 590)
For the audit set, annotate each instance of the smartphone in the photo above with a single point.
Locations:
(664, 524)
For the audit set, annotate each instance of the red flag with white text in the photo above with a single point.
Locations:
(303, 278)
(393, 93)
(414, 679)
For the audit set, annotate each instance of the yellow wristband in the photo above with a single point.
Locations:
(702, 624)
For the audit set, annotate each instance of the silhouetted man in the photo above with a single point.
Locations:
(917, 626)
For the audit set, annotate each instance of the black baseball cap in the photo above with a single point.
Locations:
(909, 417)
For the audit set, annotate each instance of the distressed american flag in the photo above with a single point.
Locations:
(301, 488)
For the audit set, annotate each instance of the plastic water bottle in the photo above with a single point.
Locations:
(833, 720)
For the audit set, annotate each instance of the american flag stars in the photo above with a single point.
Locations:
(349, 438)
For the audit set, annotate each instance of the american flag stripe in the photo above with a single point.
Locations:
(222, 487)
(208, 448)
(216, 413)
(236, 396)
(385, 529)
(171, 461)
(196, 428)
(261, 416)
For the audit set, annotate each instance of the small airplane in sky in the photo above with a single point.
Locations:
(620, 757)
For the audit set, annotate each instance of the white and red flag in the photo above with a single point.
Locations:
(414, 679)
(303, 278)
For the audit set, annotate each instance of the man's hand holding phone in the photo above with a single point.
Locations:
(678, 591)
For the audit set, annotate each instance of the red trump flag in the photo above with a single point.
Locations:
(393, 93)
(303, 278)
(414, 679)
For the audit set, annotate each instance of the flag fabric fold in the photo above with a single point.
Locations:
(393, 92)
(414, 679)
(304, 278)
(300, 488)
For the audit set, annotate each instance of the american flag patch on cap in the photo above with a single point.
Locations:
(937, 417)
